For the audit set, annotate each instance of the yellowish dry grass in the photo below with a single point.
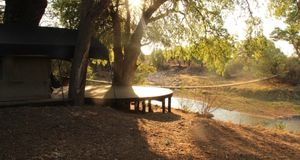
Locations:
(267, 98)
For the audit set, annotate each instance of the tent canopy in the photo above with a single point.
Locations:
(54, 43)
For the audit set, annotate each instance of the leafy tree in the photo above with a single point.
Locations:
(192, 20)
(143, 70)
(179, 54)
(157, 58)
(292, 76)
(214, 53)
(290, 34)
(127, 36)
(288, 10)
(127, 30)
(68, 12)
(261, 54)
(166, 22)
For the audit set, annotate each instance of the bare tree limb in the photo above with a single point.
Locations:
(249, 8)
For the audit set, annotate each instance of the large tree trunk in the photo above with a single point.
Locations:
(124, 70)
(127, 49)
(24, 12)
(125, 64)
(80, 59)
(125, 61)
(89, 12)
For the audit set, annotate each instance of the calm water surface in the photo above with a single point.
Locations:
(289, 123)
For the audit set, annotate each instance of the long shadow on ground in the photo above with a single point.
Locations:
(94, 132)
(71, 133)
(231, 142)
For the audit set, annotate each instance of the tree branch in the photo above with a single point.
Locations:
(162, 15)
(249, 9)
(148, 13)
(139, 31)
(146, 43)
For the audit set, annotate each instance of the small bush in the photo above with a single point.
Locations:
(185, 105)
(90, 73)
(142, 73)
(233, 68)
(157, 59)
(271, 64)
(204, 107)
(280, 126)
(292, 74)
(61, 68)
(208, 104)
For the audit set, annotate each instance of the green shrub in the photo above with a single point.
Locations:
(90, 73)
(292, 74)
(61, 68)
(157, 59)
(271, 63)
(232, 68)
(280, 126)
(142, 72)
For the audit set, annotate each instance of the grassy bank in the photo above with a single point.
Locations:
(266, 98)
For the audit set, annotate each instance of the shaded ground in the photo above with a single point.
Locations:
(94, 132)
(267, 98)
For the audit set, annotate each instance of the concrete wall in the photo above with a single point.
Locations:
(24, 78)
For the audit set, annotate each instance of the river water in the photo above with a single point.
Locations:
(289, 123)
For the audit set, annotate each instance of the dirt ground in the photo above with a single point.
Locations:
(95, 132)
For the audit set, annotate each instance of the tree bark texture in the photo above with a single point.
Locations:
(24, 12)
(89, 12)
(126, 54)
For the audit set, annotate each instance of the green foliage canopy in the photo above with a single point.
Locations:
(185, 29)
(288, 10)
(176, 22)
(290, 34)
(189, 22)
(214, 53)
(67, 11)
(261, 54)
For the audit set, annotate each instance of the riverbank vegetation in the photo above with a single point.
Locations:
(267, 98)
(254, 58)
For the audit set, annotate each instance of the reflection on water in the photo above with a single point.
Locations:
(290, 124)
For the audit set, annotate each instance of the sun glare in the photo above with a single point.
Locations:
(135, 3)
(146, 50)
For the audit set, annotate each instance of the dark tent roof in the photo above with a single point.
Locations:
(56, 43)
